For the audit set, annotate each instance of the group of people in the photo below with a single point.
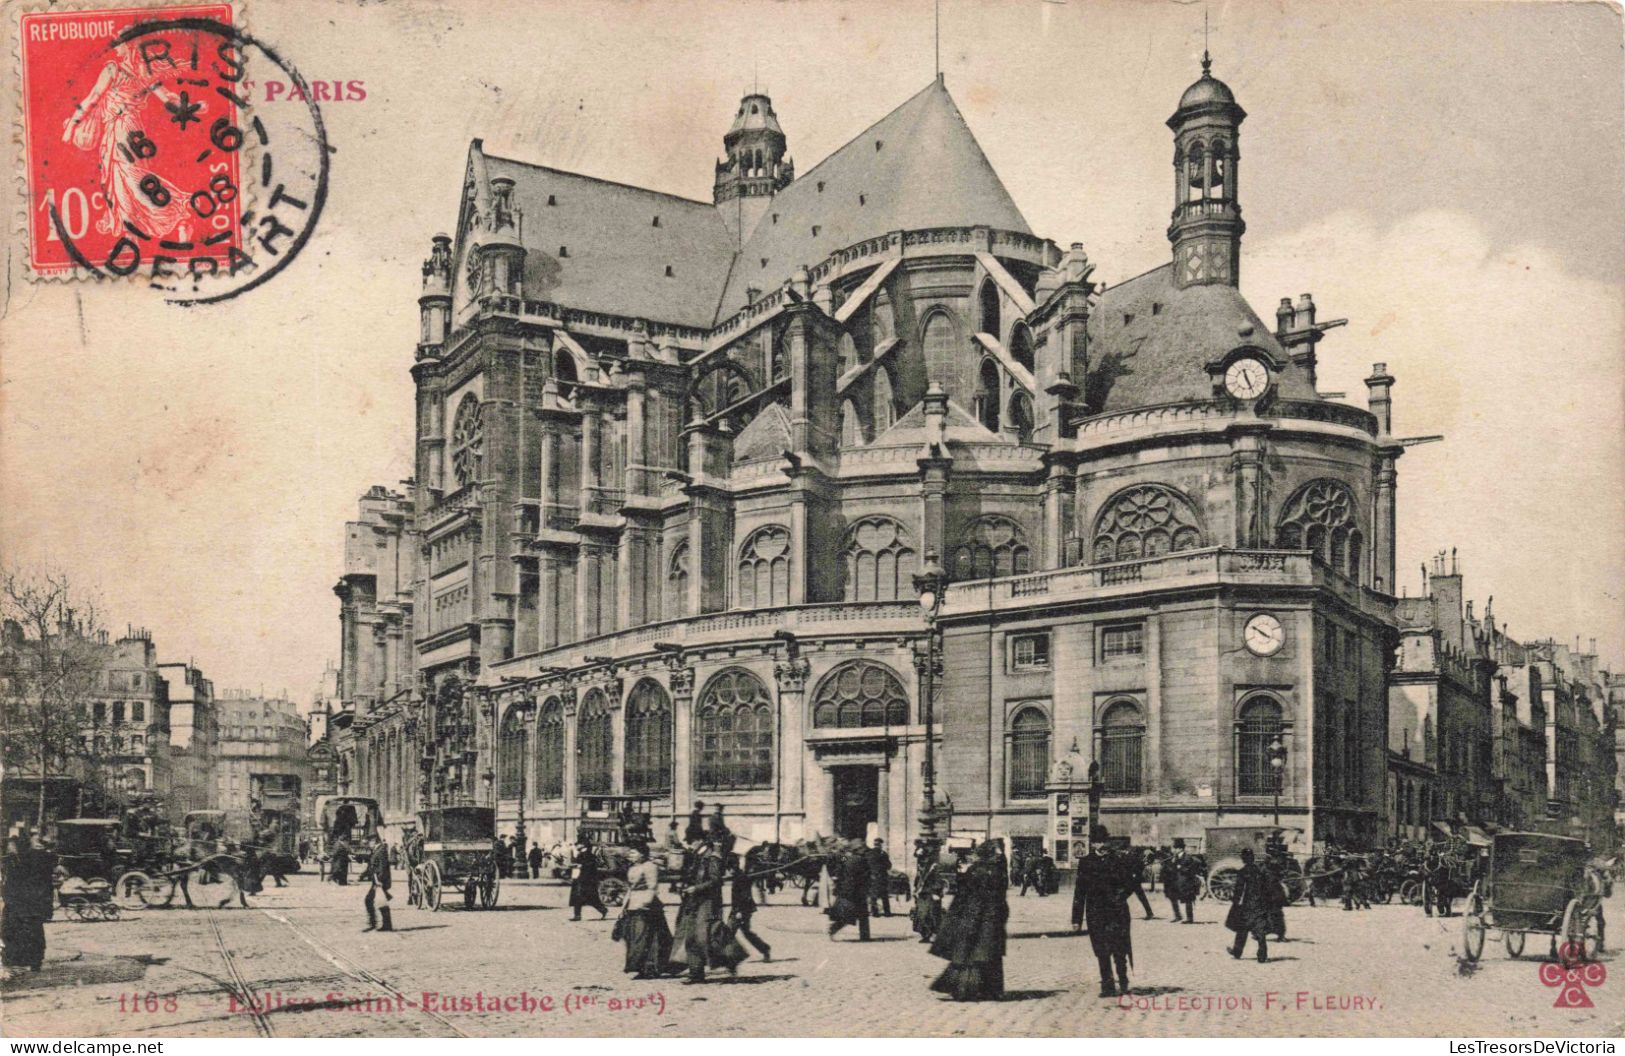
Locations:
(513, 860)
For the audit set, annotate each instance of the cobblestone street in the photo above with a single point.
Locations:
(1386, 971)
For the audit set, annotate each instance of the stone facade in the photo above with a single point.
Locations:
(194, 739)
(263, 755)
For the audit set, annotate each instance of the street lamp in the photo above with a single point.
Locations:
(1278, 764)
(929, 583)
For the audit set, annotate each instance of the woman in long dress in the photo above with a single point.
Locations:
(972, 938)
(105, 122)
(643, 920)
(702, 938)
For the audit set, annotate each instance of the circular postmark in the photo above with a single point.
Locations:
(204, 196)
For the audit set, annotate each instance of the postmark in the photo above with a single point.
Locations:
(147, 158)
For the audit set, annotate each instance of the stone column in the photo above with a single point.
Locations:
(820, 801)
(567, 697)
(1247, 469)
(1055, 526)
(1382, 556)
(680, 681)
(791, 675)
(617, 725)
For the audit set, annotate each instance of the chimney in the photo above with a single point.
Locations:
(1379, 398)
(1283, 318)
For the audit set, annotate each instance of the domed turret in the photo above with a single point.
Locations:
(1207, 227)
(756, 167)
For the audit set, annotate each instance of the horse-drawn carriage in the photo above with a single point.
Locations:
(614, 825)
(1536, 884)
(1271, 846)
(454, 847)
(354, 819)
(87, 864)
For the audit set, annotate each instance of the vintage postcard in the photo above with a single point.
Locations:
(1035, 518)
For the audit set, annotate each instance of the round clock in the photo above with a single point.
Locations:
(1264, 635)
(1246, 379)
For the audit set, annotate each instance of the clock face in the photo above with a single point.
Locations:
(1264, 635)
(1247, 379)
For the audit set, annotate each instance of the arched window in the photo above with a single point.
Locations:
(987, 320)
(648, 740)
(991, 546)
(1021, 345)
(879, 561)
(860, 693)
(1021, 415)
(764, 569)
(778, 359)
(677, 582)
(1196, 168)
(987, 396)
(1257, 726)
(1029, 753)
(941, 349)
(885, 415)
(1221, 163)
(733, 733)
(595, 745)
(1144, 521)
(510, 755)
(851, 426)
(1320, 516)
(550, 750)
(1121, 749)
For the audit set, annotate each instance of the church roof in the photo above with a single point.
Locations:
(919, 166)
(1149, 342)
(617, 243)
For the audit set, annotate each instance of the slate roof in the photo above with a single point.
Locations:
(1149, 342)
(927, 171)
(617, 256)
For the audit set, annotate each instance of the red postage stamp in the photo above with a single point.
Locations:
(133, 140)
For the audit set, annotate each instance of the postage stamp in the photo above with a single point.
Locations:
(145, 156)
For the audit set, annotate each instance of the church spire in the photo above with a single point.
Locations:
(1206, 227)
(756, 167)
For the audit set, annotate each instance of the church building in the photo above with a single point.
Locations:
(679, 464)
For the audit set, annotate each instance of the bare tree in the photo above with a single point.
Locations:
(52, 657)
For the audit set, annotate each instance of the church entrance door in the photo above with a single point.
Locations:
(857, 800)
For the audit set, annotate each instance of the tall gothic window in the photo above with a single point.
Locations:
(510, 755)
(550, 750)
(1029, 753)
(860, 693)
(987, 396)
(941, 353)
(648, 740)
(988, 309)
(885, 415)
(1144, 521)
(595, 745)
(851, 427)
(1021, 345)
(1121, 752)
(1020, 416)
(991, 546)
(677, 582)
(1320, 517)
(1257, 727)
(733, 733)
(764, 568)
(879, 561)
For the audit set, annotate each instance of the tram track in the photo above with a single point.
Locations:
(239, 985)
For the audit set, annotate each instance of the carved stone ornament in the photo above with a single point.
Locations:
(792, 674)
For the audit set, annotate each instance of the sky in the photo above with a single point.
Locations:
(1449, 177)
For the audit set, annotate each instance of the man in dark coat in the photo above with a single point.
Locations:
(338, 867)
(534, 860)
(28, 893)
(742, 907)
(851, 902)
(584, 879)
(879, 880)
(695, 833)
(702, 938)
(378, 871)
(1106, 886)
(1182, 882)
(1255, 899)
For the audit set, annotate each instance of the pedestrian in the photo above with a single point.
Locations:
(534, 859)
(395, 855)
(1134, 869)
(695, 833)
(879, 864)
(850, 904)
(276, 867)
(717, 831)
(702, 938)
(339, 866)
(643, 919)
(926, 916)
(972, 938)
(1106, 884)
(378, 871)
(1080, 904)
(1277, 921)
(742, 907)
(1046, 875)
(1250, 907)
(28, 892)
(1182, 882)
(304, 851)
(584, 879)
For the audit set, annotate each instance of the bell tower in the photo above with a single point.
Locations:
(756, 167)
(1206, 227)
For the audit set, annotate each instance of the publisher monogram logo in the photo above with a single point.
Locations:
(1571, 978)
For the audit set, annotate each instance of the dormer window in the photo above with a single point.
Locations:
(564, 251)
(879, 143)
(656, 222)
(1128, 317)
(668, 271)
(764, 262)
(754, 109)
(775, 218)
(815, 230)
(552, 200)
(1156, 308)
(820, 186)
